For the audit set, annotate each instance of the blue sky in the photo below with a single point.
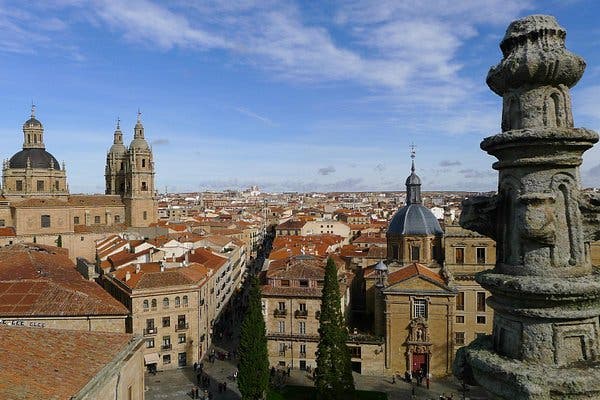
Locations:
(287, 95)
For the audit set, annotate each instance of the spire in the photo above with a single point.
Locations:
(138, 132)
(413, 182)
(118, 138)
(32, 109)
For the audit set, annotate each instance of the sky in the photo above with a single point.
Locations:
(286, 95)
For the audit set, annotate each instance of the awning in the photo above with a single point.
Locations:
(151, 358)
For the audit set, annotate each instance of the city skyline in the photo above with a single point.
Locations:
(294, 98)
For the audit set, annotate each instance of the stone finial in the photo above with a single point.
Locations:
(535, 54)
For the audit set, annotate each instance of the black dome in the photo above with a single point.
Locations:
(39, 158)
(414, 219)
(32, 122)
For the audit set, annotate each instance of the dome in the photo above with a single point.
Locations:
(414, 219)
(413, 179)
(118, 149)
(32, 123)
(139, 144)
(381, 266)
(39, 158)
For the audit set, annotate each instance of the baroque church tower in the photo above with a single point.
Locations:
(130, 174)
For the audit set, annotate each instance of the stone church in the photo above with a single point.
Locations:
(36, 206)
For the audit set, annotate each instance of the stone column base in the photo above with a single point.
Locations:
(509, 379)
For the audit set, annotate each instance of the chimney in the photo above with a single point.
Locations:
(162, 266)
(186, 259)
(127, 276)
(137, 268)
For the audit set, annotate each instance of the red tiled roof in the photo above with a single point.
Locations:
(7, 231)
(413, 270)
(207, 258)
(53, 364)
(43, 281)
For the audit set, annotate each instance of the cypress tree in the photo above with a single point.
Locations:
(253, 377)
(59, 241)
(334, 368)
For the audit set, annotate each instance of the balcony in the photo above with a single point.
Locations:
(301, 313)
(149, 331)
(280, 313)
(166, 346)
(181, 326)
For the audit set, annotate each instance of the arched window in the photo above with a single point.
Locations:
(185, 301)
(153, 303)
(166, 302)
(143, 162)
(177, 301)
(146, 305)
(122, 166)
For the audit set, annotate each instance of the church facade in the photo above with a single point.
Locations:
(36, 206)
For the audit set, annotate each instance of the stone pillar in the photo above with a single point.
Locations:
(545, 295)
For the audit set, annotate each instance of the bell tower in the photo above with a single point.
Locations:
(139, 195)
(116, 164)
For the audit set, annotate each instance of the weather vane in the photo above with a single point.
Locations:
(413, 151)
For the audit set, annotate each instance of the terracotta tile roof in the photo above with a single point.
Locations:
(291, 224)
(268, 290)
(96, 200)
(150, 275)
(207, 258)
(43, 281)
(45, 363)
(413, 270)
(41, 203)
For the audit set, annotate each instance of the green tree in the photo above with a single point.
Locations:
(59, 241)
(334, 368)
(253, 377)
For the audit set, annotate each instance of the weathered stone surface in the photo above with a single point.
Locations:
(545, 293)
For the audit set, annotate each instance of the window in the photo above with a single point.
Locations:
(481, 319)
(19, 186)
(302, 328)
(285, 282)
(460, 319)
(150, 323)
(122, 166)
(181, 338)
(45, 221)
(56, 185)
(2, 222)
(166, 302)
(181, 321)
(177, 302)
(281, 306)
(166, 322)
(150, 343)
(481, 301)
(420, 308)
(460, 301)
(166, 342)
(459, 255)
(144, 187)
(395, 254)
(40, 186)
(143, 162)
(166, 359)
(146, 305)
(480, 255)
(117, 219)
(97, 219)
(459, 338)
(355, 351)
(303, 349)
(415, 253)
(185, 301)
(281, 328)
(303, 283)
(153, 303)
(76, 220)
(282, 348)
(145, 214)
(302, 306)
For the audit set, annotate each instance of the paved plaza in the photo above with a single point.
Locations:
(177, 384)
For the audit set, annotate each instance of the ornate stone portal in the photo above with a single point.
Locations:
(545, 293)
